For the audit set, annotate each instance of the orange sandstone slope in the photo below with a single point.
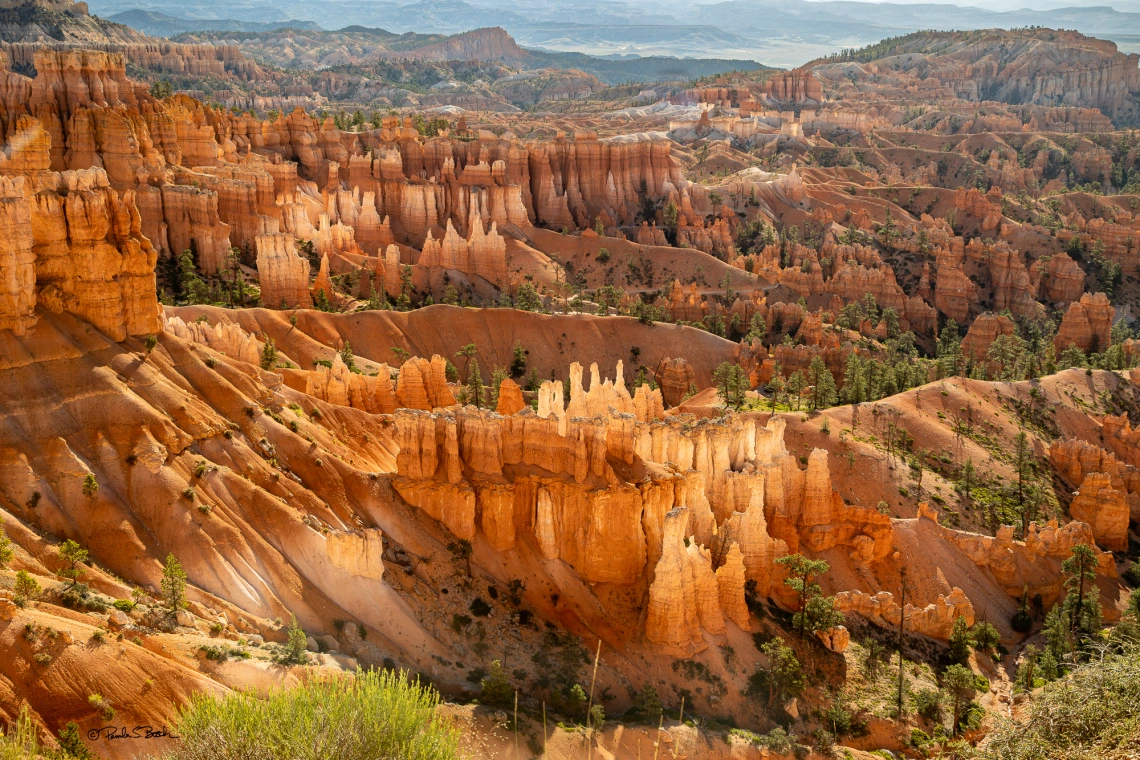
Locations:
(279, 503)
(551, 342)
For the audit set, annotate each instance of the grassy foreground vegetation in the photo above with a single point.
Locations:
(372, 715)
(1093, 714)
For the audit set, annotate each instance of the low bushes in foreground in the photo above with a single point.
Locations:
(372, 715)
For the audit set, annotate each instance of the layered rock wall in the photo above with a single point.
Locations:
(76, 246)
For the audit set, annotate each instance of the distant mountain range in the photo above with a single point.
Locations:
(774, 32)
(159, 24)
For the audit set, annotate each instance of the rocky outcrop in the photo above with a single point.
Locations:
(337, 384)
(1011, 561)
(1060, 280)
(284, 276)
(1087, 324)
(793, 88)
(483, 254)
(422, 384)
(1075, 460)
(954, 293)
(1104, 508)
(674, 377)
(76, 246)
(224, 337)
(983, 332)
(672, 623)
(359, 554)
(935, 620)
(730, 578)
(510, 397)
(17, 259)
(1045, 67)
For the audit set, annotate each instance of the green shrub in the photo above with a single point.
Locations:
(928, 704)
(26, 587)
(372, 715)
(295, 651)
(646, 702)
(20, 741)
(986, 636)
(495, 689)
(1021, 622)
(103, 705)
(126, 605)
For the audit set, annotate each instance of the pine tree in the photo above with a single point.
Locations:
(1080, 569)
(74, 555)
(269, 354)
(757, 328)
(6, 550)
(518, 360)
(811, 616)
(1023, 463)
(467, 353)
(71, 746)
(475, 385)
(823, 392)
(731, 384)
(968, 476)
(960, 641)
(173, 585)
(347, 356)
(296, 646)
(26, 586)
(795, 386)
(962, 684)
(784, 675)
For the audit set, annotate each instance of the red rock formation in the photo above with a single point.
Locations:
(954, 292)
(674, 377)
(935, 620)
(730, 578)
(983, 332)
(1104, 508)
(510, 397)
(284, 275)
(224, 337)
(1087, 324)
(17, 259)
(797, 86)
(673, 624)
(1060, 279)
(91, 258)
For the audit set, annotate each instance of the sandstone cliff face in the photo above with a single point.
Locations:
(730, 578)
(510, 398)
(339, 385)
(935, 620)
(674, 377)
(983, 332)
(224, 337)
(422, 384)
(1061, 280)
(1106, 490)
(284, 276)
(1010, 561)
(1104, 508)
(77, 247)
(1087, 324)
(17, 259)
(673, 624)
